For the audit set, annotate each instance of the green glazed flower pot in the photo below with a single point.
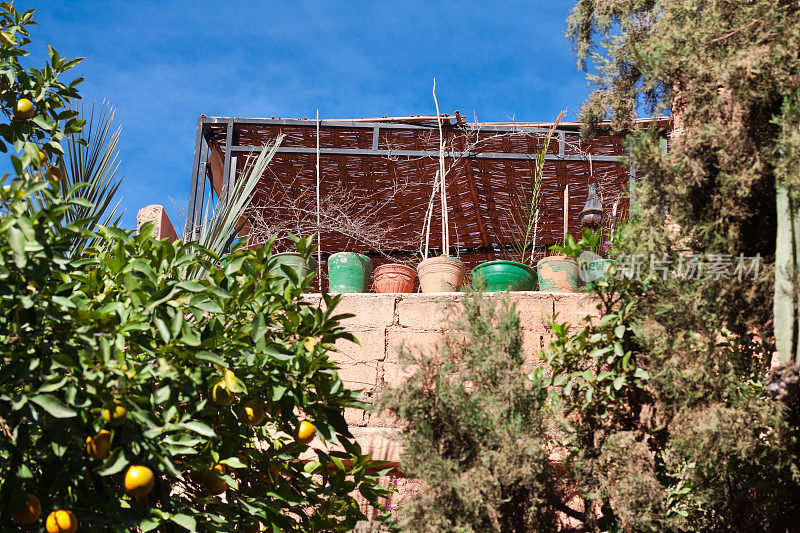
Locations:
(349, 272)
(504, 276)
(558, 273)
(596, 271)
(296, 262)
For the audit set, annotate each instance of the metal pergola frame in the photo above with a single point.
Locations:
(232, 148)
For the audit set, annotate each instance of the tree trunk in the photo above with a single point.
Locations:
(787, 253)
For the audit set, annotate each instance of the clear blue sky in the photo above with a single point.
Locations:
(161, 64)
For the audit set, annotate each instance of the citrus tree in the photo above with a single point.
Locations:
(133, 397)
(130, 397)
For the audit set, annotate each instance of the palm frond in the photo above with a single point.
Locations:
(93, 161)
(218, 233)
(89, 172)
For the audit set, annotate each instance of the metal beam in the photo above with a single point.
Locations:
(427, 153)
(510, 128)
(189, 229)
(200, 193)
(226, 168)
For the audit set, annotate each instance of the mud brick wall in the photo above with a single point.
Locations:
(384, 322)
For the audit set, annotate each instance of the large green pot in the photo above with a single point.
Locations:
(596, 270)
(504, 276)
(296, 262)
(349, 272)
(558, 273)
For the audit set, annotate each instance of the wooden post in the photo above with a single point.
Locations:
(566, 212)
(319, 241)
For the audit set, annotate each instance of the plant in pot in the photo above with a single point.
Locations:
(394, 278)
(443, 273)
(349, 272)
(300, 263)
(559, 272)
(514, 273)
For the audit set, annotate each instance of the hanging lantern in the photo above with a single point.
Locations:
(592, 213)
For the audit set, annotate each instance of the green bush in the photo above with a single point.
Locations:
(474, 429)
(630, 425)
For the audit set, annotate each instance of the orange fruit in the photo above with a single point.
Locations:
(115, 414)
(196, 476)
(97, 446)
(251, 413)
(221, 395)
(24, 109)
(139, 481)
(30, 513)
(306, 432)
(61, 521)
(212, 482)
(53, 174)
(42, 158)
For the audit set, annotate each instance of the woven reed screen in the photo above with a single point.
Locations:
(376, 204)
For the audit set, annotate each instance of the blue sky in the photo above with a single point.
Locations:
(162, 64)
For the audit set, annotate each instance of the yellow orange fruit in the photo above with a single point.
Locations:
(24, 109)
(98, 445)
(53, 174)
(221, 395)
(251, 413)
(30, 513)
(212, 481)
(139, 481)
(115, 414)
(42, 158)
(61, 521)
(306, 432)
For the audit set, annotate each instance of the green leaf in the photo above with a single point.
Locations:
(619, 382)
(199, 428)
(184, 521)
(259, 328)
(211, 358)
(53, 406)
(209, 306)
(16, 240)
(53, 385)
(66, 303)
(234, 462)
(117, 462)
(641, 373)
(163, 330)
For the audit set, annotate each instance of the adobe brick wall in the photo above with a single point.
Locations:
(385, 322)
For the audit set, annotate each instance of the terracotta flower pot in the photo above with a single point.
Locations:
(394, 277)
(441, 274)
(558, 273)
